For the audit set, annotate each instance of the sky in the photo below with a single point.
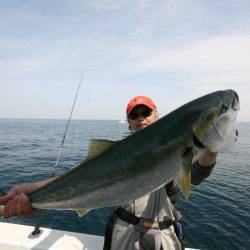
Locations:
(171, 50)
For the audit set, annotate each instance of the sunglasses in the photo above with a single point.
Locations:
(135, 114)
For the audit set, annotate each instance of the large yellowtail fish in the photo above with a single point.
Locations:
(119, 172)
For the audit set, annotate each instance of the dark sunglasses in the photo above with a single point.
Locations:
(133, 115)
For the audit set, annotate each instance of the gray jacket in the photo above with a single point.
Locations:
(155, 206)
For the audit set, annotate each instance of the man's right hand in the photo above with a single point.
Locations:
(16, 202)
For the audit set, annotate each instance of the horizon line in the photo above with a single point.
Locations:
(80, 119)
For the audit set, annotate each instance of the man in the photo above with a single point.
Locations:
(129, 227)
(124, 230)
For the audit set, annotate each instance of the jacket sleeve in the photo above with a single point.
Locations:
(199, 173)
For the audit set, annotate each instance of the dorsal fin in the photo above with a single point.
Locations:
(98, 146)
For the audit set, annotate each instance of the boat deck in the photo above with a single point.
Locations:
(18, 237)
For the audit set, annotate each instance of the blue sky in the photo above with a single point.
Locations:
(172, 50)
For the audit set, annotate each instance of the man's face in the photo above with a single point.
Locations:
(141, 116)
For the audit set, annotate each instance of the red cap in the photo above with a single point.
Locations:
(140, 100)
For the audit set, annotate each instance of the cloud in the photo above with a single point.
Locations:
(29, 64)
(223, 53)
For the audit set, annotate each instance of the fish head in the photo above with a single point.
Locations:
(215, 128)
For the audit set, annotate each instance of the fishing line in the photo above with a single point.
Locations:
(64, 136)
(53, 174)
(76, 141)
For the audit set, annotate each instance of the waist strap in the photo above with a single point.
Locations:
(146, 223)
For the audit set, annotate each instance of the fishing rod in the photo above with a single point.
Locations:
(53, 174)
(64, 136)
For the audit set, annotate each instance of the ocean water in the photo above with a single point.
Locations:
(216, 215)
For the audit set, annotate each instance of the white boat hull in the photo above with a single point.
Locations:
(18, 237)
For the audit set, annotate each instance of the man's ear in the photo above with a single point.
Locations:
(156, 114)
(129, 127)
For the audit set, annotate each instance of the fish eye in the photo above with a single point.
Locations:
(223, 109)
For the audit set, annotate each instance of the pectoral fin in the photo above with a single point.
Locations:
(185, 179)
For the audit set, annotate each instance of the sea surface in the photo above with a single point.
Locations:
(216, 215)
